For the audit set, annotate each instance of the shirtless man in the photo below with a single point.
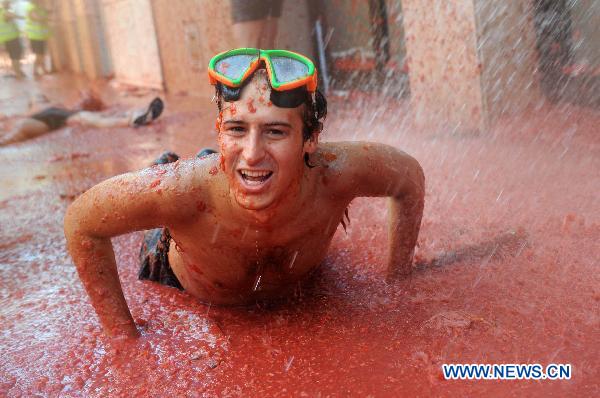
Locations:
(255, 219)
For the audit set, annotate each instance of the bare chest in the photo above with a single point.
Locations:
(245, 259)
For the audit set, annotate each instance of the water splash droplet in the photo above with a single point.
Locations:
(257, 283)
(293, 259)
(215, 234)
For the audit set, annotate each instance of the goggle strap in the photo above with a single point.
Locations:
(281, 99)
(290, 98)
(230, 93)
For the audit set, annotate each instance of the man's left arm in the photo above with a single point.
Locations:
(374, 169)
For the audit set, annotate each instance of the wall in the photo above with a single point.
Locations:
(156, 43)
(350, 24)
(443, 64)
(396, 27)
(507, 54)
(190, 32)
(77, 43)
(64, 46)
(585, 17)
(471, 61)
(87, 27)
(295, 28)
(131, 38)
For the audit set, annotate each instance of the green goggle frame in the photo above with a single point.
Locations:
(287, 70)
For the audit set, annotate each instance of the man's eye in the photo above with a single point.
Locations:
(236, 129)
(276, 133)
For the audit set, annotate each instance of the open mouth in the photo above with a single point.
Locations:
(255, 177)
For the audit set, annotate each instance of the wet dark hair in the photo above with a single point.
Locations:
(315, 110)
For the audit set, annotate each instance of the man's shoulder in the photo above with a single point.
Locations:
(346, 154)
(194, 172)
(180, 177)
(349, 168)
(337, 162)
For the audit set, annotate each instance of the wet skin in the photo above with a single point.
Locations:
(249, 223)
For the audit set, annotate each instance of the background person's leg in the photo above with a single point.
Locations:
(166, 157)
(134, 118)
(250, 19)
(43, 57)
(38, 65)
(100, 120)
(24, 130)
(38, 47)
(248, 34)
(15, 51)
(269, 34)
(16, 66)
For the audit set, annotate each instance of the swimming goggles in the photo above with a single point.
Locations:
(291, 75)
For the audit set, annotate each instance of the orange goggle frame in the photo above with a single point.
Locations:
(287, 70)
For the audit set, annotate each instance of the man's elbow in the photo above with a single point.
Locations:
(71, 219)
(419, 178)
(418, 187)
(82, 245)
(413, 185)
(73, 224)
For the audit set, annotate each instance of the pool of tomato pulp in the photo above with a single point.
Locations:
(506, 267)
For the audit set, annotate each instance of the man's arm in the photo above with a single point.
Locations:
(372, 169)
(123, 204)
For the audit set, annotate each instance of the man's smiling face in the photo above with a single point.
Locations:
(262, 147)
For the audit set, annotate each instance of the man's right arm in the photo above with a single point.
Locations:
(373, 169)
(123, 204)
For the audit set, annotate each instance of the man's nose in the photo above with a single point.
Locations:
(254, 150)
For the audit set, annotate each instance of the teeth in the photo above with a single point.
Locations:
(251, 173)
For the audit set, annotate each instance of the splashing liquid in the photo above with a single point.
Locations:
(258, 268)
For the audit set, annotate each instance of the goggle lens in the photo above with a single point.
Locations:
(288, 69)
(234, 67)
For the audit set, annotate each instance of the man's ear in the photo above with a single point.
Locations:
(310, 145)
